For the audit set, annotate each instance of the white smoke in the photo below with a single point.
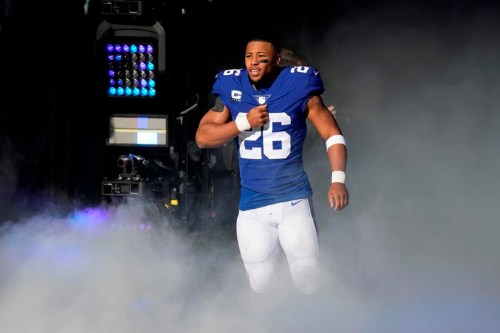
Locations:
(416, 250)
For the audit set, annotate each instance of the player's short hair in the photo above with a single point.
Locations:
(265, 36)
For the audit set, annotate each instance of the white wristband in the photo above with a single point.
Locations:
(242, 122)
(335, 139)
(338, 177)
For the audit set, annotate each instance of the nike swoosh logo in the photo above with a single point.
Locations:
(295, 202)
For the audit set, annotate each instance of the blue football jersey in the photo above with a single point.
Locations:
(270, 157)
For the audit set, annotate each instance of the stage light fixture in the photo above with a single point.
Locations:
(125, 60)
(131, 58)
(147, 130)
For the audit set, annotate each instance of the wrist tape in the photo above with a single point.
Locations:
(242, 123)
(338, 177)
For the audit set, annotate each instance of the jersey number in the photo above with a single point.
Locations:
(275, 145)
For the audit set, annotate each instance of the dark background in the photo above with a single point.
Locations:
(54, 118)
(415, 85)
(53, 123)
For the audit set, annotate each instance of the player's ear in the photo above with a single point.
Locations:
(278, 59)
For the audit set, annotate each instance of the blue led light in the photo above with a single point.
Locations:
(130, 69)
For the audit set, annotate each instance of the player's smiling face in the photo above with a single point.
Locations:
(261, 59)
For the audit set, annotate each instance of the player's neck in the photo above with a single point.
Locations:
(265, 82)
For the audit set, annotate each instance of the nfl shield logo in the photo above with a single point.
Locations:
(261, 99)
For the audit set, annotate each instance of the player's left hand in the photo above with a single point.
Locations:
(338, 196)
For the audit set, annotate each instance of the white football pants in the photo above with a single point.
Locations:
(289, 225)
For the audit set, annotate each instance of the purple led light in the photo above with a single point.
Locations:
(130, 70)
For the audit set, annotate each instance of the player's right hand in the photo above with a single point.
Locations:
(258, 116)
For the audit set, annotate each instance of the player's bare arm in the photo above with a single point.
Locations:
(326, 125)
(215, 129)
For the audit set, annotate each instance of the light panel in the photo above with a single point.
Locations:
(131, 69)
(138, 130)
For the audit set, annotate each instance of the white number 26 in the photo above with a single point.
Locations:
(275, 145)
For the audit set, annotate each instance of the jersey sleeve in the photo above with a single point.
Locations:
(224, 80)
(217, 86)
(315, 84)
(304, 82)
